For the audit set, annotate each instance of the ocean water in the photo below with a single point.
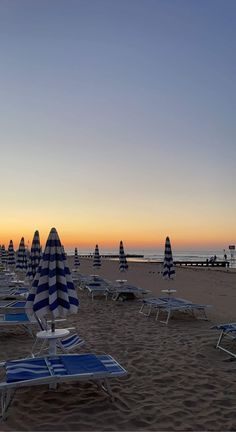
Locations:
(152, 255)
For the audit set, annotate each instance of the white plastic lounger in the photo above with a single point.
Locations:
(96, 289)
(126, 291)
(56, 370)
(172, 304)
(150, 303)
(227, 333)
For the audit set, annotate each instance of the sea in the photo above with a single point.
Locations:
(155, 255)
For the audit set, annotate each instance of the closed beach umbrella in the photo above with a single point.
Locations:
(4, 255)
(53, 293)
(35, 256)
(21, 262)
(168, 265)
(123, 265)
(1, 257)
(96, 258)
(76, 259)
(11, 255)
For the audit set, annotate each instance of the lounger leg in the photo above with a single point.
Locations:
(107, 388)
(33, 351)
(157, 315)
(167, 319)
(6, 399)
(221, 348)
(220, 339)
(141, 309)
(28, 330)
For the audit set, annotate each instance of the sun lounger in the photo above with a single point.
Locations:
(17, 319)
(96, 289)
(126, 291)
(169, 305)
(227, 333)
(13, 292)
(12, 306)
(53, 370)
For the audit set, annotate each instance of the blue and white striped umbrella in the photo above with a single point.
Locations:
(3, 255)
(123, 265)
(168, 264)
(53, 293)
(35, 256)
(21, 262)
(76, 259)
(96, 258)
(11, 255)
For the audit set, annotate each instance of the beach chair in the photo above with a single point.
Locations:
(11, 292)
(18, 319)
(54, 370)
(96, 289)
(227, 334)
(125, 291)
(12, 306)
(169, 305)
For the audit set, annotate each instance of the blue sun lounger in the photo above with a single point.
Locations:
(54, 370)
(13, 292)
(21, 320)
(169, 305)
(12, 306)
(227, 333)
(17, 319)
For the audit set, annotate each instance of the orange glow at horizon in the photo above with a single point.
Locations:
(144, 238)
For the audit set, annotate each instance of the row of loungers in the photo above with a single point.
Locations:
(97, 286)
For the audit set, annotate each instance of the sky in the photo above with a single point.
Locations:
(117, 121)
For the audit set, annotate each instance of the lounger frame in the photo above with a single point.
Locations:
(168, 306)
(100, 378)
(225, 333)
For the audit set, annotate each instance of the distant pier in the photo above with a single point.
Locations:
(202, 263)
(111, 256)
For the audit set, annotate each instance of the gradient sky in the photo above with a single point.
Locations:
(118, 121)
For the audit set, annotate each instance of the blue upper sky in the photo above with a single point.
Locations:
(120, 103)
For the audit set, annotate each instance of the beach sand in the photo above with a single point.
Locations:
(177, 380)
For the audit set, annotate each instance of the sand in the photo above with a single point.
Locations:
(177, 380)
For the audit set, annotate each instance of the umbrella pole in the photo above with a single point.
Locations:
(53, 326)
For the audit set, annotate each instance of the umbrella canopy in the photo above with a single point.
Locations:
(11, 255)
(35, 256)
(21, 262)
(53, 293)
(123, 266)
(96, 258)
(168, 264)
(3, 255)
(76, 259)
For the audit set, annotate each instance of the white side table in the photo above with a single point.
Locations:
(51, 337)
